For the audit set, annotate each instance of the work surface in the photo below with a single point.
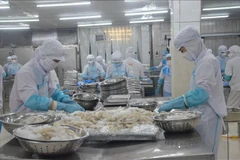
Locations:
(179, 146)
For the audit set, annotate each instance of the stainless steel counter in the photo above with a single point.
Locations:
(179, 146)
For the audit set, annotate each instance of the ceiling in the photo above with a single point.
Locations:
(111, 10)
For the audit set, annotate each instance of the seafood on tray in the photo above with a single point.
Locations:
(110, 120)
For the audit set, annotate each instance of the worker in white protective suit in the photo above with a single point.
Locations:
(34, 88)
(232, 75)
(165, 77)
(93, 70)
(14, 66)
(135, 65)
(9, 61)
(206, 90)
(222, 57)
(55, 78)
(118, 69)
(102, 63)
(2, 75)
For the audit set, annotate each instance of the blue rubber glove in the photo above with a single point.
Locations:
(58, 86)
(227, 78)
(35, 102)
(0, 127)
(177, 103)
(157, 91)
(153, 68)
(59, 96)
(69, 108)
(3, 75)
(196, 97)
(84, 76)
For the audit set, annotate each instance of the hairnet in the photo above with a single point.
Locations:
(99, 59)
(116, 57)
(14, 57)
(90, 57)
(168, 55)
(130, 52)
(222, 49)
(235, 49)
(189, 38)
(53, 49)
(9, 58)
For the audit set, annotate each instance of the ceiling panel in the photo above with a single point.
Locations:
(112, 10)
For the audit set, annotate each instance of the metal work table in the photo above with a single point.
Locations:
(179, 146)
(231, 117)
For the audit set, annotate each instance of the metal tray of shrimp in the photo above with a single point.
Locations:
(130, 136)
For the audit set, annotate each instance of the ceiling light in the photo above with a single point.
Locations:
(135, 0)
(143, 13)
(147, 21)
(18, 20)
(94, 24)
(82, 17)
(63, 4)
(212, 17)
(13, 28)
(220, 8)
(4, 2)
(4, 7)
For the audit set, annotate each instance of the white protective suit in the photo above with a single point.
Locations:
(14, 67)
(33, 79)
(118, 69)
(9, 61)
(166, 74)
(1, 86)
(101, 62)
(135, 65)
(233, 70)
(92, 70)
(54, 77)
(222, 57)
(206, 75)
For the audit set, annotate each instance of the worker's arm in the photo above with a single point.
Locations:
(28, 92)
(129, 71)
(84, 73)
(228, 72)
(204, 82)
(108, 73)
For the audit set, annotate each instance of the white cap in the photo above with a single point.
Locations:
(53, 49)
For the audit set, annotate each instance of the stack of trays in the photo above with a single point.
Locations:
(116, 86)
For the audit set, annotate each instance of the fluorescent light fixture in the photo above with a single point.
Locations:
(213, 17)
(147, 21)
(63, 4)
(220, 8)
(4, 7)
(82, 17)
(4, 2)
(135, 0)
(94, 24)
(143, 13)
(19, 20)
(13, 28)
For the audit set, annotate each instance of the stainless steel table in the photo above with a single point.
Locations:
(179, 146)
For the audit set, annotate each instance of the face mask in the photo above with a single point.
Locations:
(187, 56)
(223, 54)
(169, 63)
(90, 63)
(230, 55)
(117, 64)
(14, 61)
(48, 64)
